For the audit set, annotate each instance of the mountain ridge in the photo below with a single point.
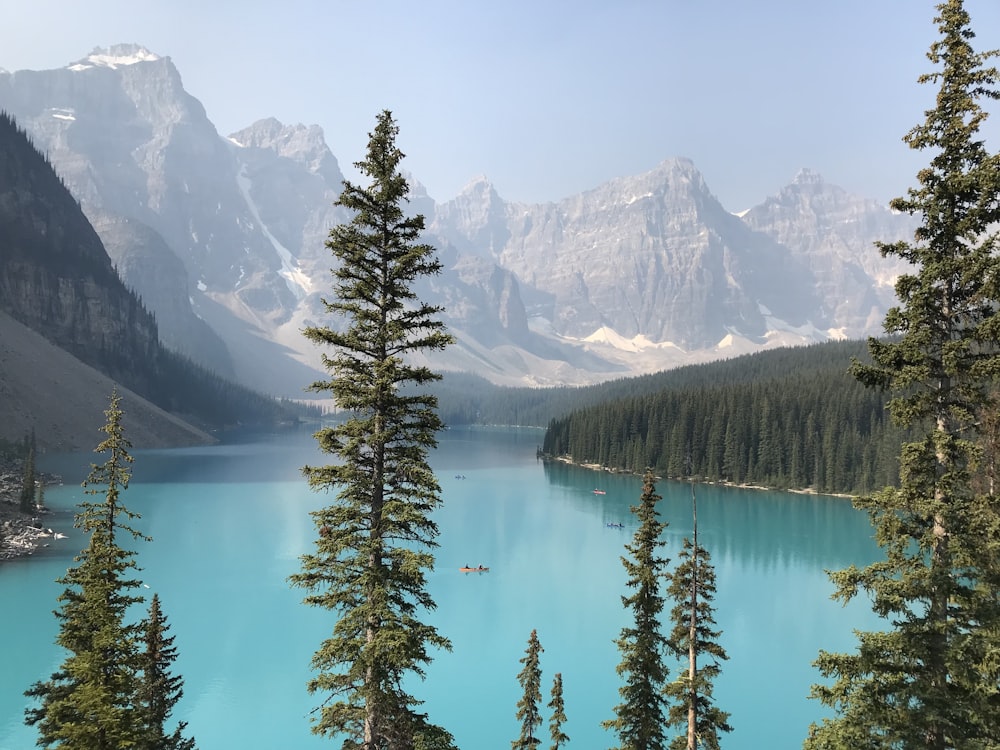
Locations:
(641, 273)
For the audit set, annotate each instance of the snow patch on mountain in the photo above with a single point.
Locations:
(606, 335)
(297, 280)
(114, 57)
(629, 201)
(805, 332)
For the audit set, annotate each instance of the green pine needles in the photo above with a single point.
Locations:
(104, 693)
(932, 679)
(374, 542)
(530, 679)
(641, 718)
(692, 589)
(557, 718)
(159, 689)
(528, 712)
(651, 704)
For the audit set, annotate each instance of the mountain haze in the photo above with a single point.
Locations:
(71, 331)
(639, 274)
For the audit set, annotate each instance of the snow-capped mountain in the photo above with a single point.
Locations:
(223, 237)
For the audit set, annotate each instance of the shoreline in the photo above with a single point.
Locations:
(714, 482)
(21, 538)
(22, 534)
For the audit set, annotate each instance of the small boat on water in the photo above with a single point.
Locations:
(479, 569)
(616, 526)
(600, 492)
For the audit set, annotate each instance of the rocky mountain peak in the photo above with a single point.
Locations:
(115, 56)
(478, 185)
(806, 177)
(653, 260)
(303, 144)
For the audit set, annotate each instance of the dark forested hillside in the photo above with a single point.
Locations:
(55, 276)
(788, 418)
(57, 279)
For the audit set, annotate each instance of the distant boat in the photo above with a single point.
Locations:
(479, 569)
(600, 492)
(616, 525)
(57, 535)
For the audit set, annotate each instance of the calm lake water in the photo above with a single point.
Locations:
(229, 523)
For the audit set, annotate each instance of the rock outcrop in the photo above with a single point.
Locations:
(642, 273)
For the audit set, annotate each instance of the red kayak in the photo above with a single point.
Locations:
(480, 569)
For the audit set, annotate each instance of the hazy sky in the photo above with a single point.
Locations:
(549, 98)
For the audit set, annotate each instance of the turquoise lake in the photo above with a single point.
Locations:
(229, 523)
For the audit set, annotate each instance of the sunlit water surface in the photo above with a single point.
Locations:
(229, 523)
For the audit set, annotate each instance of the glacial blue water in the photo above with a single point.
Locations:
(229, 523)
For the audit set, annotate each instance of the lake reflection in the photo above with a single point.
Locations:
(229, 523)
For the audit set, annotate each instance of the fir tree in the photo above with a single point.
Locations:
(375, 540)
(641, 716)
(558, 716)
(89, 703)
(933, 679)
(28, 480)
(530, 679)
(694, 638)
(159, 689)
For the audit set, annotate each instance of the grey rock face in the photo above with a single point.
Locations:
(833, 233)
(148, 266)
(638, 274)
(654, 255)
(129, 141)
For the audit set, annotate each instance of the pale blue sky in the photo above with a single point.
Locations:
(548, 99)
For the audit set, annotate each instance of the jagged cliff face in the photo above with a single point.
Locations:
(654, 256)
(148, 266)
(54, 274)
(639, 274)
(131, 143)
(834, 233)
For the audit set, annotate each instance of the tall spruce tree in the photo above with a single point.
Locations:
(26, 500)
(159, 689)
(932, 680)
(694, 638)
(640, 719)
(557, 718)
(530, 679)
(374, 542)
(89, 703)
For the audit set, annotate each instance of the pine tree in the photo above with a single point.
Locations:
(692, 588)
(530, 679)
(374, 542)
(933, 679)
(558, 716)
(88, 704)
(159, 689)
(641, 716)
(28, 480)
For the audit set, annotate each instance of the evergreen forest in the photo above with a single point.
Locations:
(789, 418)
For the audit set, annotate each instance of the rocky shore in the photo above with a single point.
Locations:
(20, 533)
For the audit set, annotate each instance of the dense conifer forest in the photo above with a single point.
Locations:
(788, 418)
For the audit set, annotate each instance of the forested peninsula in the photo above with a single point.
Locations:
(790, 419)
